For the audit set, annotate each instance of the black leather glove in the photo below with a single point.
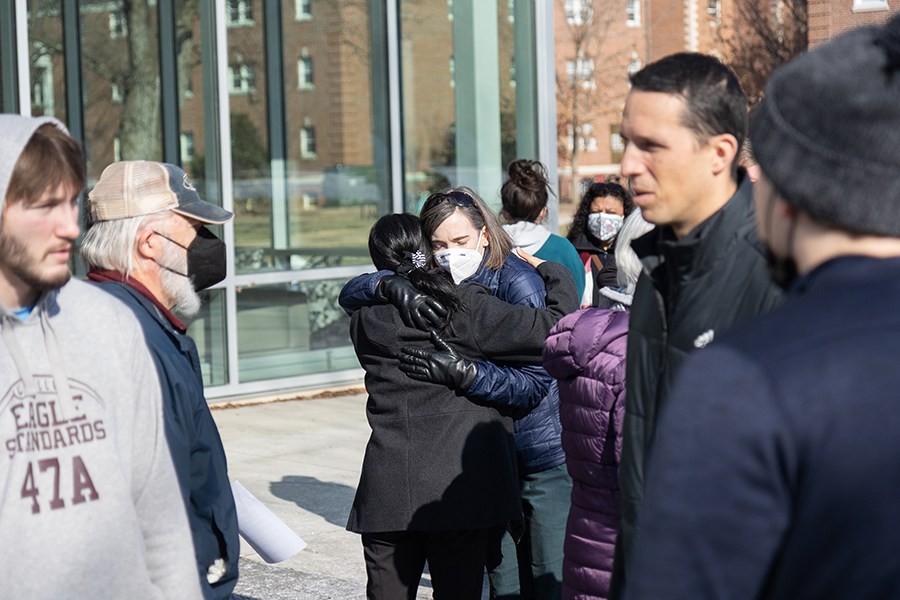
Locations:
(442, 366)
(416, 309)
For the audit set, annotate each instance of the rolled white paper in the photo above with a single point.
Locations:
(272, 539)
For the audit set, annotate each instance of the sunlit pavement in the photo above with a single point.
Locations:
(302, 459)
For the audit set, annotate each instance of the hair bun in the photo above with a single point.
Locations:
(527, 174)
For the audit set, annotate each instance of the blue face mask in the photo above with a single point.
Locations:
(604, 226)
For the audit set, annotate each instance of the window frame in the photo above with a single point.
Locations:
(305, 73)
(118, 25)
(247, 74)
(307, 138)
(633, 17)
(299, 13)
(243, 9)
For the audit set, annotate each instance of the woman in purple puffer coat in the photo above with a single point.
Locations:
(585, 352)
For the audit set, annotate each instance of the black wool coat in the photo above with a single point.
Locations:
(436, 461)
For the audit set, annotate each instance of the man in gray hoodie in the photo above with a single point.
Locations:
(89, 503)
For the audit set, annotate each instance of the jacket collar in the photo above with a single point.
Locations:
(484, 276)
(696, 253)
(102, 275)
(849, 271)
(583, 243)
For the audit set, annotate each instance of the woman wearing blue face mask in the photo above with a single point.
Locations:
(593, 233)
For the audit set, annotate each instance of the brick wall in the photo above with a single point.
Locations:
(830, 18)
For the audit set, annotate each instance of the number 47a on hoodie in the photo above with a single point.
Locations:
(82, 486)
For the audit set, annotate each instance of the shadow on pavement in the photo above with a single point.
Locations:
(331, 501)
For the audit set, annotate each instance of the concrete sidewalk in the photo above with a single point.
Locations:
(302, 459)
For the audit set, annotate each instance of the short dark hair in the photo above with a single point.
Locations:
(50, 157)
(715, 103)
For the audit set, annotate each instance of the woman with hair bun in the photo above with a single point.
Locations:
(524, 197)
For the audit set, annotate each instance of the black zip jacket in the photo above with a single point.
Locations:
(690, 290)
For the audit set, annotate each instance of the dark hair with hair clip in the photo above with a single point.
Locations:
(597, 190)
(524, 194)
(397, 243)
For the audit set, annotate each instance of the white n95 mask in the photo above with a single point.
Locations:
(461, 263)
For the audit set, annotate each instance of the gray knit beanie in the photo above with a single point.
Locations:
(827, 134)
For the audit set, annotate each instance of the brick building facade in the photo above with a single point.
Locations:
(830, 18)
(634, 33)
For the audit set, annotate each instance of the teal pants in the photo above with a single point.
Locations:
(533, 569)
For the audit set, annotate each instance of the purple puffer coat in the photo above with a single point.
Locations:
(585, 351)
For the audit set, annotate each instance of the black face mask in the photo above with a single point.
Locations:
(205, 259)
(783, 271)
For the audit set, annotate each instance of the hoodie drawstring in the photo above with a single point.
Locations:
(56, 361)
(54, 356)
(15, 349)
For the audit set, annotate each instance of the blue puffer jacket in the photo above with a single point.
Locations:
(528, 394)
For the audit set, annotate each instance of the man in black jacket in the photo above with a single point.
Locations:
(684, 122)
(148, 247)
(775, 471)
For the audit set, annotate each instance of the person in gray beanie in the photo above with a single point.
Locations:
(774, 475)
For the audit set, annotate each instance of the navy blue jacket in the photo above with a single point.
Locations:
(774, 474)
(528, 394)
(194, 441)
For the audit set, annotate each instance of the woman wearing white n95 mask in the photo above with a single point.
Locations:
(463, 229)
(470, 243)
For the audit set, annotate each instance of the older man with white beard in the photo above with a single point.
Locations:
(148, 247)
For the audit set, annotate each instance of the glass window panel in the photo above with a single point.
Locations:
(199, 134)
(335, 187)
(507, 72)
(195, 105)
(465, 117)
(47, 58)
(5, 85)
(429, 70)
(120, 46)
(250, 158)
(292, 329)
(208, 331)
(307, 196)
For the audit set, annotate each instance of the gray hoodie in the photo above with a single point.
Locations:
(89, 503)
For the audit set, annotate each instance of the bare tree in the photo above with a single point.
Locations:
(587, 90)
(763, 35)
